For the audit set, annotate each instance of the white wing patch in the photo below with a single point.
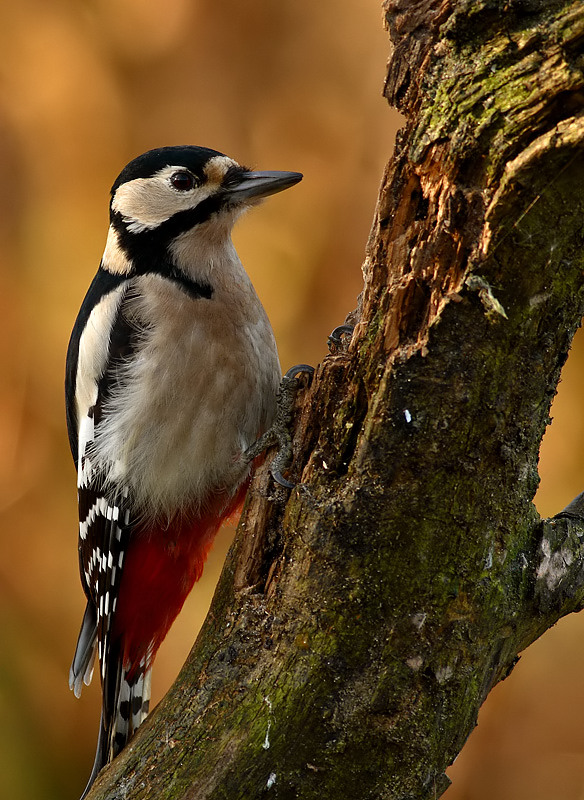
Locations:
(94, 352)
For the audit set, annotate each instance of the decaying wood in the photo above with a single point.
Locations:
(362, 618)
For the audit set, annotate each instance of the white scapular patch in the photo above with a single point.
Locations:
(94, 351)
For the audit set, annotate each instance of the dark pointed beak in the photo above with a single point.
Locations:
(255, 185)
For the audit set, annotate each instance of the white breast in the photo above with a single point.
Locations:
(197, 392)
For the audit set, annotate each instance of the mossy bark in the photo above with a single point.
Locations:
(362, 619)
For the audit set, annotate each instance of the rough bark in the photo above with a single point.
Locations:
(362, 618)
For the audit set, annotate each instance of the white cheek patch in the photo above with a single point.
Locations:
(145, 203)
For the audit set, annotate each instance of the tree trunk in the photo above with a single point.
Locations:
(362, 618)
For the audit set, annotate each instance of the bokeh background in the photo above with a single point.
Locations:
(84, 87)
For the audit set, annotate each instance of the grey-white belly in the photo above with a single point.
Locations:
(198, 390)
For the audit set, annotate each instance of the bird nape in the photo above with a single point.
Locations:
(172, 373)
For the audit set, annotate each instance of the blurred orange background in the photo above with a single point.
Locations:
(85, 87)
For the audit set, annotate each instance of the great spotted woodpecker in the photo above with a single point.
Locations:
(172, 374)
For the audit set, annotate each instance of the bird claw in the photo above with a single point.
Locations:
(335, 339)
(280, 479)
(279, 432)
(296, 370)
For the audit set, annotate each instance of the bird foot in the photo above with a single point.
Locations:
(279, 433)
(335, 339)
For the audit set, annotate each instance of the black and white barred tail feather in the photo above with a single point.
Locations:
(131, 700)
(132, 706)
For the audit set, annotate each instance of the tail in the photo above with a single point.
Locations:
(126, 694)
(160, 565)
(126, 701)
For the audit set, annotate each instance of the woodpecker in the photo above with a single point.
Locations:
(172, 373)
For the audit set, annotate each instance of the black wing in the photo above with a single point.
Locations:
(105, 519)
(104, 514)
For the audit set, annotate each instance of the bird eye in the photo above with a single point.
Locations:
(182, 181)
